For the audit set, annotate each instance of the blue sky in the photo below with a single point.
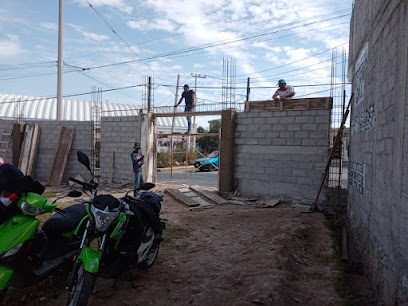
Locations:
(267, 40)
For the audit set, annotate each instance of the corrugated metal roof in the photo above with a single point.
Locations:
(13, 106)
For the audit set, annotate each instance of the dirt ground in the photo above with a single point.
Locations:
(226, 255)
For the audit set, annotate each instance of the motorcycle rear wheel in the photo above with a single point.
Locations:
(150, 257)
(82, 289)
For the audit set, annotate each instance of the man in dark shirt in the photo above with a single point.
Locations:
(137, 161)
(190, 99)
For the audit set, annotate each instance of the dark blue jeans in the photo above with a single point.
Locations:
(138, 182)
(189, 109)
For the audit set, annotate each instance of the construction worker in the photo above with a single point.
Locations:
(137, 161)
(284, 91)
(190, 99)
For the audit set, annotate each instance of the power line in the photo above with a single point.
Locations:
(120, 37)
(217, 44)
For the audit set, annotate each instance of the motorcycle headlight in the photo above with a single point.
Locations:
(13, 250)
(103, 219)
(30, 209)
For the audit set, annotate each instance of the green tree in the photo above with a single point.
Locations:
(209, 143)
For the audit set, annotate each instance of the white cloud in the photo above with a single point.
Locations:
(49, 26)
(89, 35)
(95, 37)
(10, 47)
(149, 25)
(119, 4)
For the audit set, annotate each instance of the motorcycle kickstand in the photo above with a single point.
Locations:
(132, 283)
(53, 287)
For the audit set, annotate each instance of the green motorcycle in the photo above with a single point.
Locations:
(28, 253)
(120, 234)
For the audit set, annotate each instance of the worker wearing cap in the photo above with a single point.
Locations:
(284, 91)
(137, 160)
(190, 99)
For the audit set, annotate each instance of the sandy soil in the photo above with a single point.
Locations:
(226, 255)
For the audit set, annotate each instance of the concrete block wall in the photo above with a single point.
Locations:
(6, 126)
(281, 153)
(118, 136)
(49, 137)
(378, 169)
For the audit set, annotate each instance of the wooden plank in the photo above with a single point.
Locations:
(33, 150)
(289, 104)
(61, 155)
(25, 149)
(18, 136)
(178, 135)
(203, 203)
(227, 152)
(179, 114)
(179, 196)
(209, 195)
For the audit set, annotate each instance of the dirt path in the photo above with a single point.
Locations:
(230, 255)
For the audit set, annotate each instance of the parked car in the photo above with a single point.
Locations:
(209, 163)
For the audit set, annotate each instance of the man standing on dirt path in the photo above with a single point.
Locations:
(137, 160)
(190, 99)
(284, 91)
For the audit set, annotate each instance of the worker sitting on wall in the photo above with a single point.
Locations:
(284, 91)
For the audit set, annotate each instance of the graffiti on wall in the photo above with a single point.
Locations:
(364, 121)
(359, 69)
(356, 176)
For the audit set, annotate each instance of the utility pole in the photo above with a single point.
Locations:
(149, 95)
(248, 90)
(195, 75)
(60, 61)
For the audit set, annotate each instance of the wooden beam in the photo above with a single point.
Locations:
(18, 136)
(289, 104)
(61, 155)
(226, 159)
(33, 150)
(175, 135)
(179, 196)
(25, 149)
(213, 197)
(180, 114)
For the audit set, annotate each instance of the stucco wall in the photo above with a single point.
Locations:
(378, 193)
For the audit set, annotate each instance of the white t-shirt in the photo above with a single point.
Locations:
(283, 93)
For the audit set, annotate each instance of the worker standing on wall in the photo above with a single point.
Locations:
(284, 91)
(190, 99)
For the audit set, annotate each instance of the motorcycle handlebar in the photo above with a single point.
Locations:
(76, 181)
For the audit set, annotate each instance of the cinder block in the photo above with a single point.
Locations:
(294, 127)
(309, 127)
(287, 120)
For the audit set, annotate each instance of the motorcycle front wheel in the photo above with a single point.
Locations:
(82, 288)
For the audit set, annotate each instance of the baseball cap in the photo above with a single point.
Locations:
(185, 85)
(137, 145)
(281, 81)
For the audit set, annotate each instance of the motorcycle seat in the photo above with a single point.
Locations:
(64, 223)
